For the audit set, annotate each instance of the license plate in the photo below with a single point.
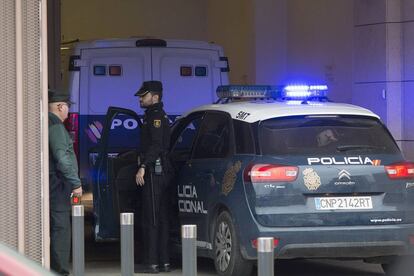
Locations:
(343, 203)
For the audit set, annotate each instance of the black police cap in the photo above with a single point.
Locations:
(58, 96)
(150, 86)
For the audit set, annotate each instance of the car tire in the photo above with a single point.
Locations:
(228, 260)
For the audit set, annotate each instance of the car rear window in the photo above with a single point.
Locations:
(324, 134)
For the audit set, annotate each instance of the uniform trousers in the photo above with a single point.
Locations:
(156, 233)
(60, 240)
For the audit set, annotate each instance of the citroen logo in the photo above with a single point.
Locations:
(344, 174)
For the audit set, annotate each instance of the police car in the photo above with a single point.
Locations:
(326, 180)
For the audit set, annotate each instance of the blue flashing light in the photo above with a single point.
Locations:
(305, 92)
(285, 93)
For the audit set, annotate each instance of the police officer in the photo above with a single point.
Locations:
(152, 175)
(63, 180)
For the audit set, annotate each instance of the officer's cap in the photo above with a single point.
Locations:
(150, 86)
(56, 96)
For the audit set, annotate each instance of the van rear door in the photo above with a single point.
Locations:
(108, 77)
(111, 76)
(190, 76)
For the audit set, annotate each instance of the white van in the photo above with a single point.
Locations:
(108, 72)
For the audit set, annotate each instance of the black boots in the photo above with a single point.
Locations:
(164, 268)
(151, 269)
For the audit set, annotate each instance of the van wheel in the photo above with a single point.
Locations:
(228, 260)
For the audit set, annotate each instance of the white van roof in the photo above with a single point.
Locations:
(131, 42)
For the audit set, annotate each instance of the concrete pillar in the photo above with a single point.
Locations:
(270, 40)
(230, 24)
(408, 77)
(253, 34)
(53, 29)
(304, 41)
(379, 60)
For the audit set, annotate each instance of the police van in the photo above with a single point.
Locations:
(325, 180)
(108, 72)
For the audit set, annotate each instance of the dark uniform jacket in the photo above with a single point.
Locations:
(63, 166)
(155, 136)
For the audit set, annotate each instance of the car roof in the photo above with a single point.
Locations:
(262, 110)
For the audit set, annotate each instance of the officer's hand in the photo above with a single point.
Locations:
(139, 178)
(77, 191)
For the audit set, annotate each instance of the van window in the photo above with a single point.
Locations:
(325, 135)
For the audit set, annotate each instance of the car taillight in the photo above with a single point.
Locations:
(72, 125)
(411, 239)
(400, 170)
(259, 173)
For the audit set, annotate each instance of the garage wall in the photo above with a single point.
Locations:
(227, 23)
(94, 19)
(267, 41)
(24, 201)
(8, 193)
(230, 23)
(270, 24)
(278, 41)
(320, 44)
(384, 72)
(408, 78)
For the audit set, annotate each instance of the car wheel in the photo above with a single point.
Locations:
(228, 260)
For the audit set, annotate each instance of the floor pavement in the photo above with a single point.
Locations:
(103, 258)
(205, 268)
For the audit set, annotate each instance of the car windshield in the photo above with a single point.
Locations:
(303, 135)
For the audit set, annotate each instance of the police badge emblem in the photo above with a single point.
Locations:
(311, 179)
(157, 123)
(230, 177)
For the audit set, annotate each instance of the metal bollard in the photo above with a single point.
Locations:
(265, 255)
(127, 244)
(188, 238)
(78, 240)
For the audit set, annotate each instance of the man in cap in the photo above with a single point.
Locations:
(63, 180)
(152, 175)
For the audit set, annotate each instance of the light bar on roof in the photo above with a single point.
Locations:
(246, 91)
(304, 92)
(284, 93)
